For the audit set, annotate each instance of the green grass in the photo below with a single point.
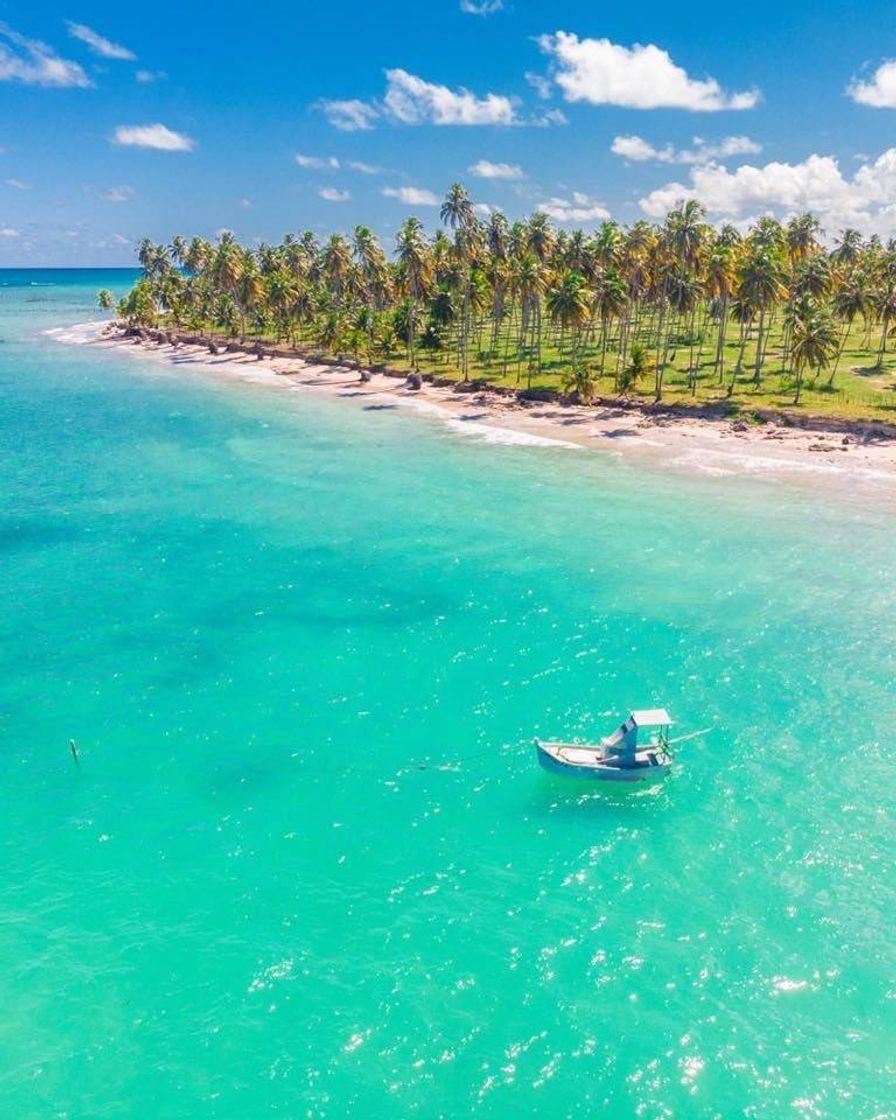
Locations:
(860, 389)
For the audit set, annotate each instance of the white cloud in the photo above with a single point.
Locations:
(481, 7)
(246, 203)
(331, 194)
(105, 48)
(638, 150)
(880, 91)
(18, 184)
(580, 209)
(485, 169)
(120, 194)
(36, 64)
(319, 163)
(411, 196)
(412, 100)
(817, 184)
(350, 116)
(152, 136)
(8, 231)
(483, 209)
(551, 117)
(364, 168)
(145, 76)
(120, 239)
(600, 72)
(540, 84)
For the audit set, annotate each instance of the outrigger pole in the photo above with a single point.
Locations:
(684, 738)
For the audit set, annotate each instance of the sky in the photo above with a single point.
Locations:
(122, 122)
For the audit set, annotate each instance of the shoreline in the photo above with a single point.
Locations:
(848, 453)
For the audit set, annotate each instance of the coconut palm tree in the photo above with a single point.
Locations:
(848, 247)
(635, 370)
(760, 287)
(718, 284)
(802, 235)
(851, 299)
(414, 272)
(527, 280)
(885, 306)
(568, 306)
(814, 340)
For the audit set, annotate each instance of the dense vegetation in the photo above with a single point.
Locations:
(678, 311)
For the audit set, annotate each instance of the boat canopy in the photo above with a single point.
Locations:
(652, 717)
(624, 739)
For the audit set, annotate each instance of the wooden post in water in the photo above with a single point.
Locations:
(73, 747)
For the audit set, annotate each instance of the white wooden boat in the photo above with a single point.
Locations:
(621, 757)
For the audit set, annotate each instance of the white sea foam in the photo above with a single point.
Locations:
(79, 334)
(749, 462)
(485, 433)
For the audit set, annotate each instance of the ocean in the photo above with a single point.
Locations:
(306, 864)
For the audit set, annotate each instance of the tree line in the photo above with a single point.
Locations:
(524, 300)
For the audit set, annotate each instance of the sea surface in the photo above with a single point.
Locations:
(307, 866)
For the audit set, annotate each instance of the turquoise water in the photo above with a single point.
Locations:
(307, 866)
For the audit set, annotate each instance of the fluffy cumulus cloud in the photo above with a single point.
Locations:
(411, 100)
(411, 196)
(8, 231)
(481, 7)
(636, 149)
(864, 200)
(879, 91)
(580, 208)
(105, 48)
(363, 168)
(35, 64)
(156, 136)
(331, 194)
(350, 116)
(485, 169)
(600, 72)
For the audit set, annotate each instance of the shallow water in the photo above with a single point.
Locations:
(307, 865)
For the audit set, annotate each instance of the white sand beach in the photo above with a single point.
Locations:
(718, 448)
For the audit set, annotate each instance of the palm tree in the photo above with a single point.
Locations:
(528, 282)
(760, 287)
(718, 286)
(885, 306)
(814, 341)
(635, 370)
(568, 306)
(457, 209)
(413, 275)
(848, 247)
(802, 237)
(457, 213)
(850, 300)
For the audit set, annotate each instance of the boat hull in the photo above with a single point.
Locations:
(573, 761)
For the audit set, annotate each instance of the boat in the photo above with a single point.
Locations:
(620, 757)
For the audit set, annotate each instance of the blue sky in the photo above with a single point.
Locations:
(122, 122)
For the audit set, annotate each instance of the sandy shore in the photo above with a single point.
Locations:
(718, 448)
